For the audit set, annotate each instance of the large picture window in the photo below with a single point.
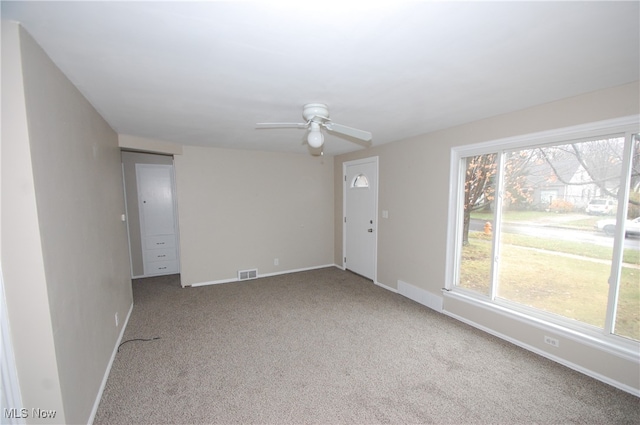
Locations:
(548, 226)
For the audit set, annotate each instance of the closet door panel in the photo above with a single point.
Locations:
(157, 219)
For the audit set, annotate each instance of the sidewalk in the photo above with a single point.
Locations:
(577, 257)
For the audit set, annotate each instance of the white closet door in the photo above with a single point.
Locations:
(156, 203)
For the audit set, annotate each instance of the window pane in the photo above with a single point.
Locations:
(479, 191)
(627, 321)
(551, 258)
(360, 181)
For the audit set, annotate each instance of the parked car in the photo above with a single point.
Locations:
(601, 206)
(608, 226)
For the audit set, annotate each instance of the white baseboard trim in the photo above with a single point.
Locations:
(295, 270)
(235, 279)
(427, 299)
(213, 282)
(153, 275)
(626, 350)
(564, 362)
(96, 404)
(388, 288)
(420, 296)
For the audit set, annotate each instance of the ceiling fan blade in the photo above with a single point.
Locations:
(348, 131)
(281, 125)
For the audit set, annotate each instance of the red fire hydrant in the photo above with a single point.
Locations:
(487, 228)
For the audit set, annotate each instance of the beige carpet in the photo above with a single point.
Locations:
(329, 347)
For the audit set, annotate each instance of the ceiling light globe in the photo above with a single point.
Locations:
(315, 139)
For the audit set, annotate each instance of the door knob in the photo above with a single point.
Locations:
(370, 230)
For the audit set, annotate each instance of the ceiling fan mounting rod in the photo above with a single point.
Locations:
(315, 112)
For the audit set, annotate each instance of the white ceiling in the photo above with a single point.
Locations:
(203, 73)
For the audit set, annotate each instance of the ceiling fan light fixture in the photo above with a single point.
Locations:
(315, 137)
(316, 116)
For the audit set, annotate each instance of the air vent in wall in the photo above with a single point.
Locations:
(247, 274)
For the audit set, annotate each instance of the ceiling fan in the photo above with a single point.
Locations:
(316, 116)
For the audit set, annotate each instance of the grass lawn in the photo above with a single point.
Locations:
(572, 287)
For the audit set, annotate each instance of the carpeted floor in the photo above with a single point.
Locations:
(329, 347)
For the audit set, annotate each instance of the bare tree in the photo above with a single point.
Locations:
(602, 162)
(479, 189)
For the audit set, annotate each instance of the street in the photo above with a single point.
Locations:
(554, 232)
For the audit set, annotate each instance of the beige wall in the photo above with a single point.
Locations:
(22, 262)
(414, 188)
(129, 161)
(240, 210)
(75, 204)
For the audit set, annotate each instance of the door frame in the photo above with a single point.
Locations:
(375, 160)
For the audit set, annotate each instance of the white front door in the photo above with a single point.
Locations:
(360, 216)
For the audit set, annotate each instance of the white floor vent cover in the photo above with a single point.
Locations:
(247, 274)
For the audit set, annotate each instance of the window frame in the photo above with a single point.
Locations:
(582, 332)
